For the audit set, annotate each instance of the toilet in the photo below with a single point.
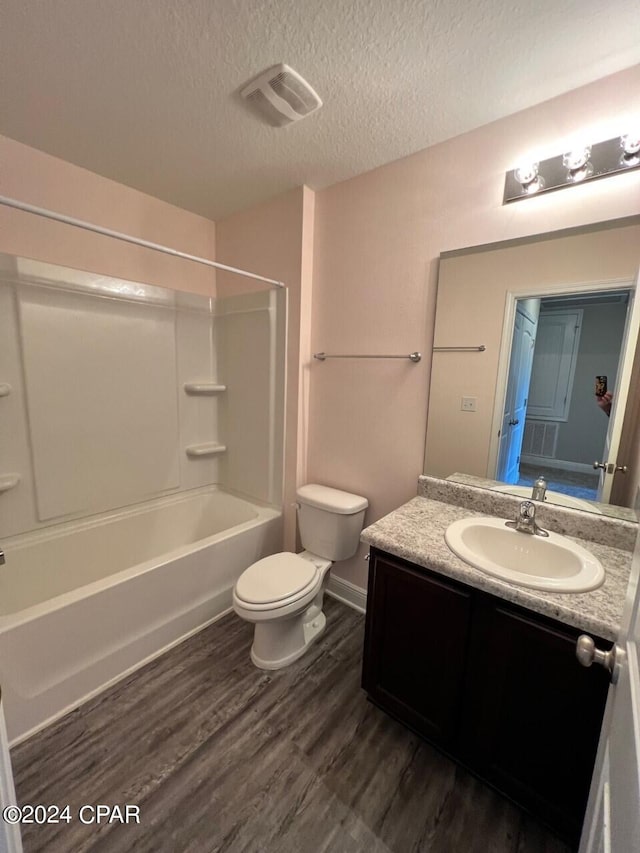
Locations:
(282, 594)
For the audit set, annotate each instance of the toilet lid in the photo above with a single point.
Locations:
(274, 578)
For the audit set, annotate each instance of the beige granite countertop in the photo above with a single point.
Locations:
(415, 532)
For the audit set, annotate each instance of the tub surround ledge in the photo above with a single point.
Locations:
(415, 532)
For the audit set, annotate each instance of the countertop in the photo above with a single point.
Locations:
(415, 532)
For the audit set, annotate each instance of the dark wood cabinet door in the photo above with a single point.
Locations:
(416, 646)
(532, 713)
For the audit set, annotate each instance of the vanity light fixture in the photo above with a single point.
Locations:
(582, 163)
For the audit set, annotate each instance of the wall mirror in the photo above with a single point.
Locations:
(523, 328)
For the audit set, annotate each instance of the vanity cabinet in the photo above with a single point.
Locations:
(496, 686)
(416, 644)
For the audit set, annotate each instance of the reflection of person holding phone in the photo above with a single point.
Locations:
(605, 402)
(603, 397)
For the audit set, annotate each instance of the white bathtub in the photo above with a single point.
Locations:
(83, 603)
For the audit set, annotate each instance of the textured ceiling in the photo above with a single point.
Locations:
(144, 91)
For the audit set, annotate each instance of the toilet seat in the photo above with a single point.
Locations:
(276, 581)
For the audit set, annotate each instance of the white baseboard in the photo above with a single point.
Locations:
(561, 464)
(348, 593)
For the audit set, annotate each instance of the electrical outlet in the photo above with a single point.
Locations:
(468, 404)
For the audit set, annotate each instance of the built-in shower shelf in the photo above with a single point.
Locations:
(8, 481)
(203, 389)
(5, 389)
(211, 448)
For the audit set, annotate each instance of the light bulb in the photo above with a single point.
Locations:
(630, 142)
(534, 186)
(577, 158)
(526, 173)
(577, 175)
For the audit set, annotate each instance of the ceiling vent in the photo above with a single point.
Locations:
(281, 96)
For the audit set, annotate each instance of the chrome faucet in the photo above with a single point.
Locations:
(526, 520)
(539, 489)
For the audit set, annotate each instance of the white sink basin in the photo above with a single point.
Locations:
(551, 563)
(552, 497)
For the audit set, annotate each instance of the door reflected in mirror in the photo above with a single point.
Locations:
(554, 424)
(557, 314)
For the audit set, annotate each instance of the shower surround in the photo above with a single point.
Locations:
(140, 472)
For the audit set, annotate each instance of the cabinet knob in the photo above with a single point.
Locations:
(588, 654)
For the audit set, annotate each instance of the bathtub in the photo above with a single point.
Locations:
(84, 603)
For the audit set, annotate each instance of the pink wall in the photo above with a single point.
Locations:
(372, 255)
(45, 181)
(276, 239)
(377, 240)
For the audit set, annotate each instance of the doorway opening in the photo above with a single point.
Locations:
(553, 424)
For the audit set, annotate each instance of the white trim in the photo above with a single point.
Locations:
(511, 298)
(561, 464)
(499, 401)
(624, 371)
(348, 593)
(273, 368)
(10, 839)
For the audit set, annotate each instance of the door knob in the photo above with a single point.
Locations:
(609, 467)
(514, 422)
(588, 654)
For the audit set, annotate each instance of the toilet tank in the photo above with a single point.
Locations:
(330, 521)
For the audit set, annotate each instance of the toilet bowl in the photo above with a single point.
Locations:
(283, 594)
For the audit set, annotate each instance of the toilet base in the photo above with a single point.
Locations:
(277, 644)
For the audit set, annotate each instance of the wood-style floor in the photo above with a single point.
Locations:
(221, 756)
